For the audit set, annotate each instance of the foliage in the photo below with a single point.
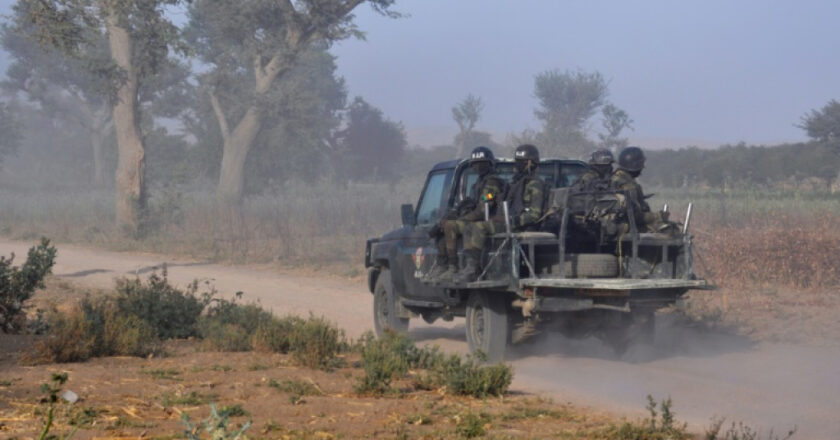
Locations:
(51, 391)
(472, 425)
(370, 143)
(216, 427)
(469, 377)
(231, 326)
(743, 165)
(466, 114)
(614, 121)
(393, 355)
(95, 328)
(10, 126)
(567, 101)
(824, 124)
(17, 284)
(172, 313)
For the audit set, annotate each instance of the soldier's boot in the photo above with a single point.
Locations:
(470, 270)
(441, 263)
(447, 275)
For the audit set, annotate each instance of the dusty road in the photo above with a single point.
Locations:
(706, 375)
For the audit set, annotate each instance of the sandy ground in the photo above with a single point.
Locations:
(706, 373)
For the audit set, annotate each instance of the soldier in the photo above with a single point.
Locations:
(631, 161)
(486, 190)
(525, 198)
(600, 172)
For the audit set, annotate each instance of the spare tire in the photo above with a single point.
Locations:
(591, 266)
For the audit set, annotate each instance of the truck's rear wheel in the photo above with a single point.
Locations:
(488, 325)
(385, 307)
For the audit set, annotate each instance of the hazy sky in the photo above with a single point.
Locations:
(714, 71)
(704, 72)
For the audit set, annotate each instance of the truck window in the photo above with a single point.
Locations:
(429, 208)
(570, 173)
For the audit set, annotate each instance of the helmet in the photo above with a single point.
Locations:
(527, 152)
(631, 159)
(601, 157)
(480, 154)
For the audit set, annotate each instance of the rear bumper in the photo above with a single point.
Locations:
(617, 284)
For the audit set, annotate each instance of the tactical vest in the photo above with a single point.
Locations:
(516, 192)
(478, 189)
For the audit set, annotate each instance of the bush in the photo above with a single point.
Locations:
(392, 356)
(469, 377)
(659, 426)
(315, 343)
(171, 312)
(95, 328)
(17, 284)
(231, 326)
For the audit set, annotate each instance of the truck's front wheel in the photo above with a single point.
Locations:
(385, 307)
(488, 325)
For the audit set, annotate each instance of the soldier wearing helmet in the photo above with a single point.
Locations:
(525, 206)
(631, 162)
(600, 172)
(486, 191)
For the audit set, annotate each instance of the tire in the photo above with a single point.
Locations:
(591, 266)
(488, 325)
(385, 306)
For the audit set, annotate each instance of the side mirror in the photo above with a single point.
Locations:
(407, 213)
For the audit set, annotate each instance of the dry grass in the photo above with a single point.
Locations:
(772, 252)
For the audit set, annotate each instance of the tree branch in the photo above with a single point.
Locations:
(220, 116)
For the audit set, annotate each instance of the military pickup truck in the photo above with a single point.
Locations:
(589, 272)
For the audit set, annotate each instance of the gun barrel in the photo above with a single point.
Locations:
(486, 212)
(687, 217)
(507, 216)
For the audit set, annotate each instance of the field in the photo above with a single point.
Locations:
(770, 252)
(275, 395)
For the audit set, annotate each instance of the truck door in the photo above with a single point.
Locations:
(417, 250)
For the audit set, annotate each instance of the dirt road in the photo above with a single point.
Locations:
(706, 374)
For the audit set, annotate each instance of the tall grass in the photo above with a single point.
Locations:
(746, 236)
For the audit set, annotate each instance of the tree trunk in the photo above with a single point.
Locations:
(236, 147)
(100, 129)
(130, 182)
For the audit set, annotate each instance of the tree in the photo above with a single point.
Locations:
(10, 129)
(61, 87)
(267, 38)
(371, 144)
(466, 114)
(140, 39)
(614, 121)
(567, 102)
(823, 125)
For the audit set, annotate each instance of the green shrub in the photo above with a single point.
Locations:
(217, 426)
(171, 312)
(17, 284)
(393, 355)
(383, 360)
(472, 425)
(315, 343)
(470, 377)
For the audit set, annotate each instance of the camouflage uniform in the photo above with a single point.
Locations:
(622, 180)
(592, 181)
(525, 203)
(487, 190)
